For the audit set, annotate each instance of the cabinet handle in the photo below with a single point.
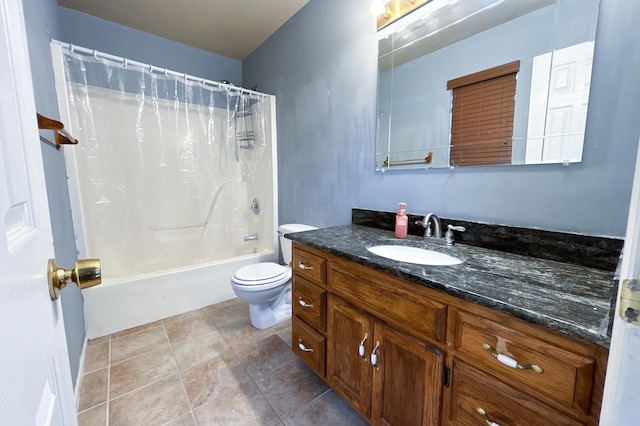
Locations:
(374, 355)
(510, 362)
(303, 347)
(304, 304)
(361, 347)
(486, 417)
(305, 267)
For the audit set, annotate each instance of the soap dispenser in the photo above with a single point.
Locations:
(402, 221)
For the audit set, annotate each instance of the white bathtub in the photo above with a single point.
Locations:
(119, 304)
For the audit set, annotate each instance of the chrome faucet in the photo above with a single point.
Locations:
(436, 235)
(426, 223)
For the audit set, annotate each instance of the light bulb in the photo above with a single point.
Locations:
(378, 7)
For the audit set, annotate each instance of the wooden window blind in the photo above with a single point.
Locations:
(482, 116)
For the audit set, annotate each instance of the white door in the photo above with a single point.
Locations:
(620, 406)
(35, 378)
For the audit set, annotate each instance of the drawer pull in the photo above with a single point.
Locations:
(305, 267)
(304, 304)
(374, 355)
(510, 362)
(486, 417)
(303, 347)
(361, 347)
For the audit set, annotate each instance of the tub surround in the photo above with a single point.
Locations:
(593, 252)
(572, 299)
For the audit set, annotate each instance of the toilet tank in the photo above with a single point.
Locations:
(285, 244)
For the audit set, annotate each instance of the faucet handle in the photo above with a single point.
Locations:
(449, 235)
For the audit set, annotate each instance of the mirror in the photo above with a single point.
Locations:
(552, 42)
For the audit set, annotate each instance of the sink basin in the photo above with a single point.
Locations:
(414, 255)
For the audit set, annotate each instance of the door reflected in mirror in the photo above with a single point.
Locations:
(444, 41)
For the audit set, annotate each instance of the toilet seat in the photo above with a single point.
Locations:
(261, 276)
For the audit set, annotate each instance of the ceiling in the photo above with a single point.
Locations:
(231, 28)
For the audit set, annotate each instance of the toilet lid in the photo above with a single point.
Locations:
(260, 272)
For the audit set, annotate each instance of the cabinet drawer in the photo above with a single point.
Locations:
(309, 266)
(308, 345)
(561, 375)
(391, 302)
(478, 399)
(309, 303)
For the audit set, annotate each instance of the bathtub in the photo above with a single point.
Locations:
(119, 304)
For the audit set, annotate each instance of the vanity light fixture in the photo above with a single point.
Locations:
(388, 11)
(379, 8)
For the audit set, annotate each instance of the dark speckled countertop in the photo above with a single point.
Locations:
(572, 299)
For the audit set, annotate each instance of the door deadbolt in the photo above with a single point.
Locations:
(85, 273)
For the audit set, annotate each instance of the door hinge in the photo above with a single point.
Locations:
(446, 376)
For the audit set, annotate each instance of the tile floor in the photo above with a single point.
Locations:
(205, 367)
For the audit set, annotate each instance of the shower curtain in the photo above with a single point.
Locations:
(167, 165)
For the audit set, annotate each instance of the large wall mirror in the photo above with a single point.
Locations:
(485, 82)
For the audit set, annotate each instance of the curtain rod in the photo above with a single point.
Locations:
(152, 68)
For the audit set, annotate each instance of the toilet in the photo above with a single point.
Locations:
(266, 286)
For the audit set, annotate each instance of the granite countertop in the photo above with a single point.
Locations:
(574, 300)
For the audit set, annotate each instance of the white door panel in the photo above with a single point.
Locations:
(35, 378)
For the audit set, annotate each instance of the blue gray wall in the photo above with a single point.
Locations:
(321, 65)
(42, 24)
(46, 20)
(95, 33)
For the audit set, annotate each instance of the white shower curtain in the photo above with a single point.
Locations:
(167, 165)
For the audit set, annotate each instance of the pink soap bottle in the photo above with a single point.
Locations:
(402, 221)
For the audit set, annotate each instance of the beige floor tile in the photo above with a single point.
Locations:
(214, 378)
(98, 340)
(234, 301)
(264, 355)
(291, 387)
(242, 332)
(226, 315)
(96, 357)
(329, 409)
(155, 404)
(137, 344)
(96, 416)
(183, 420)
(282, 326)
(244, 406)
(196, 325)
(200, 348)
(140, 371)
(286, 336)
(93, 390)
(134, 330)
(182, 317)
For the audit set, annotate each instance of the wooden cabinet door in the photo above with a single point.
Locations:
(348, 373)
(407, 381)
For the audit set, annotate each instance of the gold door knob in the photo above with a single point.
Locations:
(85, 273)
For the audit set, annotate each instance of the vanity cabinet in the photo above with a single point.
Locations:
(386, 375)
(309, 310)
(438, 360)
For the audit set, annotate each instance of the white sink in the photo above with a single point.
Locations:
(414, 255)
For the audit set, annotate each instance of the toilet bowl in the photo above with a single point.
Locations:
(266, 286)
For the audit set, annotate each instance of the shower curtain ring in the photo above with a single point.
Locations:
(95, 54)
(72, 48)
(126, 62)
